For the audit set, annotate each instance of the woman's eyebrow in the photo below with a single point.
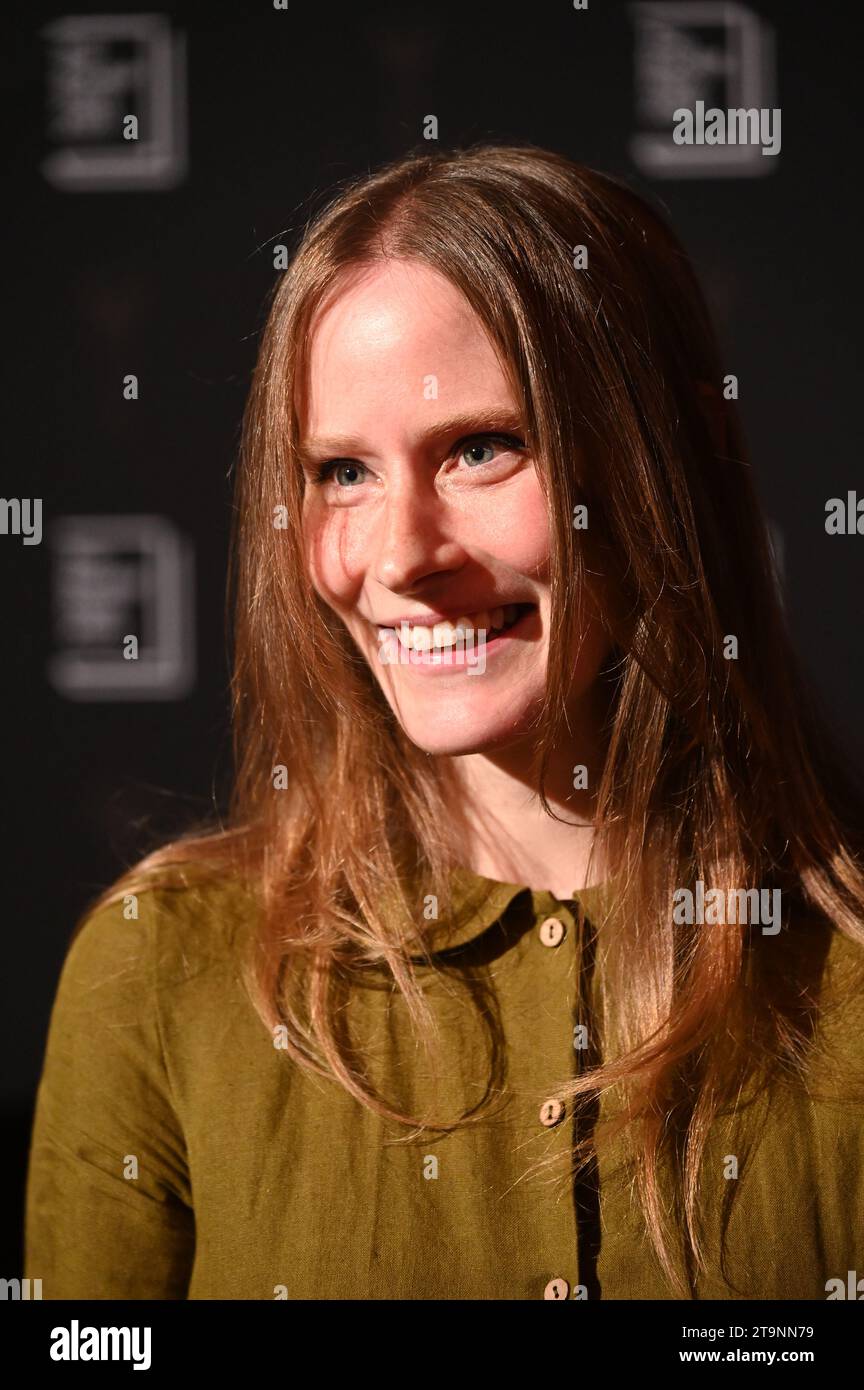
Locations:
(490, 420)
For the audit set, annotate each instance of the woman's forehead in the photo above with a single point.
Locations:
(402, 339)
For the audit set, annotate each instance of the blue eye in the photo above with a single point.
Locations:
(333, 466)
(488, 445)
(474, 449)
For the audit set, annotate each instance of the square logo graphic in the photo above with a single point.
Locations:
(123, 609)
(705, 81)
(116, 103)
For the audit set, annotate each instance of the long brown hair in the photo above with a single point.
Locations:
(715, 770)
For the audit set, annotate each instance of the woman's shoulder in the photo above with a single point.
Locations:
(840, 1019)
(157, 935)
(843, 976)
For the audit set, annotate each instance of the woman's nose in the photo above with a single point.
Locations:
(412, 537)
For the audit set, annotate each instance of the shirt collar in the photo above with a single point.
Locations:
(479, 902)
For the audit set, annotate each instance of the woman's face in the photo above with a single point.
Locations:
(430, 512)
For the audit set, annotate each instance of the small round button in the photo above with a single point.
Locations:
(552, 931)
(557, 1288)
(551, 1112)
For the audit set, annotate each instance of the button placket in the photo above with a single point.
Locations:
(552, 932)
(585, 1191)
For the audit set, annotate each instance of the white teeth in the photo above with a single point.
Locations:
(445, 635)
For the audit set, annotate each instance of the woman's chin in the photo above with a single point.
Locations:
(459, 736)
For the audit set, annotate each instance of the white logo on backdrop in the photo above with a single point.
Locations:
(103, 70)
(116, 578)
(716, 61)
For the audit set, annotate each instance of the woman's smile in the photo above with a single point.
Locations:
(463, 643)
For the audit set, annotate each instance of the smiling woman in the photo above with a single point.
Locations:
(421, 1020)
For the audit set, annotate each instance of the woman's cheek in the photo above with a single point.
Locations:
(335, 550)
(517, 528)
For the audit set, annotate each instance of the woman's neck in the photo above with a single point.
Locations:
(502, 831)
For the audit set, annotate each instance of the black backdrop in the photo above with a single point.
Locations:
(153, 259)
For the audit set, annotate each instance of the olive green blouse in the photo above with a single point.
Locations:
(178, 1152)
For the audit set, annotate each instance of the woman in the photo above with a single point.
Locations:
(525, 775)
